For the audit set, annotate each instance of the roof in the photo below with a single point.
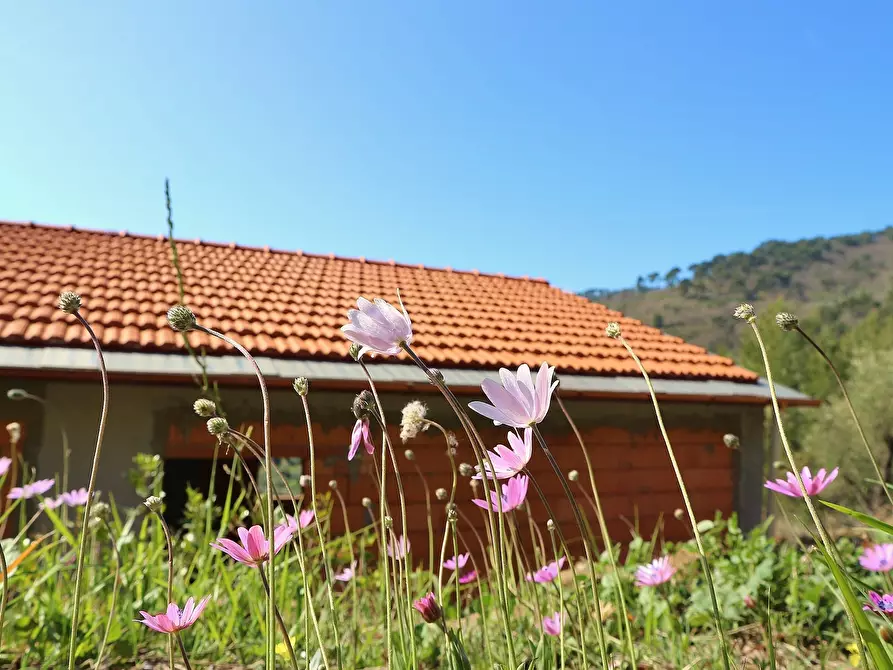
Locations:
(291, 305)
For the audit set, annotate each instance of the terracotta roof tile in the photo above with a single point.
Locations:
(292, 304)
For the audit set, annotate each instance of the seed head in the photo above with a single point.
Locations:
(410, 455)
(15, 431)
(745, 312)
(16, 394)
(679, 514)
(363, 404)
(100, 510)
(573, 475)
(731, 441)
(181, 318)
(354, 351)
(367, 502)
(218, 426)
(204, 407)
(465, 470)
(613, 330)
(333, 484)
(786, 321)
(441, 494)
(301, 386)
(69, 302)
(413, 420)
(153, 504)
(452, 440)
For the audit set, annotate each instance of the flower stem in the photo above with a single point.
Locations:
(389, 447)
(271, 633)
(91, 488)
(182, 650)
(279, 621)
(430, 520)
(586, 539)
(353, 582)
(579, 597)
(322, 544)
(497, 526)
(561, 599)
(849, 404)
(170, 580)
(705, 564)
(606, 538)
(5, 570)
(114, 600)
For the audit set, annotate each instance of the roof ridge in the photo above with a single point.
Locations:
(267, 249)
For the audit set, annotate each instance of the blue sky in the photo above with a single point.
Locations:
(585, 142)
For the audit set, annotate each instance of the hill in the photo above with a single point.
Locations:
(846, 276)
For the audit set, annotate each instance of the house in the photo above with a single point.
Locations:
(286, 307)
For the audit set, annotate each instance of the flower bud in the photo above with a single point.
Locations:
(16, 394)
(181, 318)
(367, 502)
(573, 475)
(333, 484)
(218, 426)
(745, 312)
(15, 431)
(550, 525)
(354, 351)
(69, 302)
(363, 404)
(787, 321)
(465, 470)
(388, 522)
(731, 441)
(428, 608)
(886, 634)
(441, 494)
(437, 374)
(749, 602)
(452, 441)
(679, 514)
(204, 407)
(410, 455)
(452, 512)
(301, 386)
(305, 481)
(153, 504)
(613, 330)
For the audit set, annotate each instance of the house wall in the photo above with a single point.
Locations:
(636, 484)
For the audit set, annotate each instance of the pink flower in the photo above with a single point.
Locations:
(460, 560)
(5, 462)
(254, 548)
(552, 624)
(813, 486)
(513, 494)
(347, 574)
(877, 558)
(547, 573)
(468, 577)
(517, 402)
(378, 327)
(37, 488)
(883, 604)
(399, 549)
(51, 503)
(429, 609)
(657, 572)
(305, 517)
(509, 461)
(360, 435)
(749, 602)
(75, 498)
(175, 619)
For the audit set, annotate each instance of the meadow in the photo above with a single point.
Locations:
(247, 583)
